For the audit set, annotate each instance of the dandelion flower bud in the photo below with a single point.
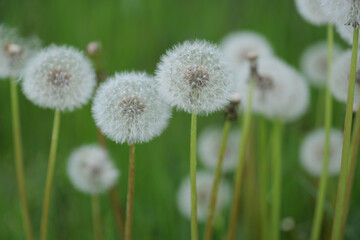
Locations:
(340, 78)
(209, 149)
(194, 77)
(342, 11)
(128, 108)
(91, 170)
(15, 51)
(312, 152)
(204, 182)
(237, 45)
(59, 78)
(314, 63)
(275, 94)
(311, 11)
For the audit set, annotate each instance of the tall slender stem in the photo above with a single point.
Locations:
(263, 177)
(276, 179)
(50, 175)
(117, 212)
(215, 187)
(340, 199)
(241, 162)
(96, 217)
(352, 167)
(19, 158)
(194, 223)
(130, 193)
(319, 210)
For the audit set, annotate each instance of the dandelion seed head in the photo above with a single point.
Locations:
(204, 181)
(314, 63)
(311, 11)
(288, 224)
(312, 152)
(194, 77)
(275, 94)
(237, 46)
(91, 170)
(128, 108)
(340, 79)
(59, 77)
(342, 11)
(15, 51)
(209, 148)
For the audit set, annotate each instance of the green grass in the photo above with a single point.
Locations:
(134, 34)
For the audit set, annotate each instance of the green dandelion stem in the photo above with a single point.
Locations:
(130, 193)
(344, 174)
(96, 217)
(194, 224)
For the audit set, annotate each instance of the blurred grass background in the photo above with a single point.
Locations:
(134, 34)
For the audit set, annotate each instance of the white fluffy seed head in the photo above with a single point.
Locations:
(209, 148)
(288, 224)
(279, 90)
(194, 77)
(15, 51)
(59, 77)
(341, 11)
(314, 62)
(311, 11)
(204, 181)
(128, 108)
(237, 45)
(340, 78)
(312, 152)
(91, 170)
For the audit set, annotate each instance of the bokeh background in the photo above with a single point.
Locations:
(134, 34)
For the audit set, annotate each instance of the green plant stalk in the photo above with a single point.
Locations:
(19, 158)
(130, 193)
(241, 162)
(117, 212)
(276, 179)
(96, 216)
(263, 177)
(194, 223)
(340, 198)
(352, 167)
(215, 187)
(319, 210)
(50, 175)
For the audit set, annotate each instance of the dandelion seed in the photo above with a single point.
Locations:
(312, 152)
(340, 79)
(128, 108)
(311, 11)
(204, 185)
(279, 91)
(194, 77)
(59, 78)
(209, 148)
(236, 46)
(91, 170)
(287, 224)
(342, 11)
(314, 63)
(15, 51)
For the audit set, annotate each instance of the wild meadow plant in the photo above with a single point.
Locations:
(240, 77)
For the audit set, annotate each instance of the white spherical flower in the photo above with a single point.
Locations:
(204, 182)
(15, 51)
(340, 78)
(314, 62)
(59, 78)
(91, 170)
(209, 148)
(194, 77)
(275, 94)
(128, 108)
(311, 11)
(237, 45)
(288, 224)
(312, 152)
(341, 11)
